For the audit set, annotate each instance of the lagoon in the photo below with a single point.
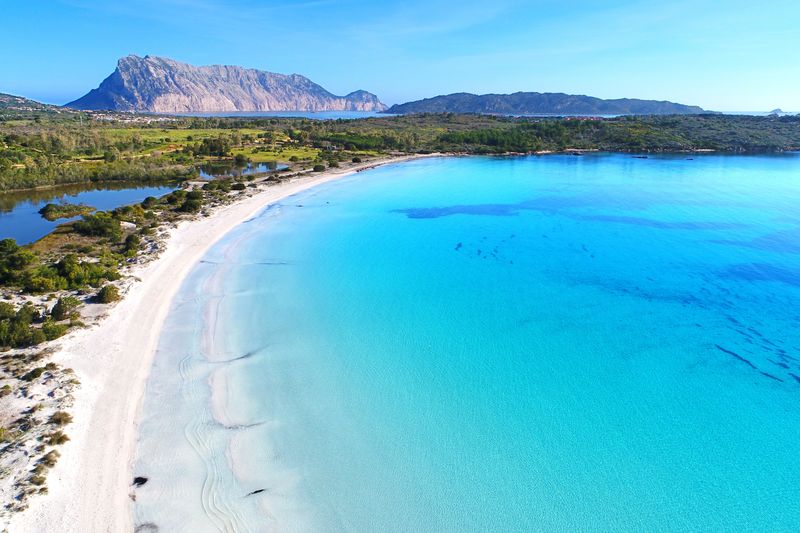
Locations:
(19, 210)
(490, 344)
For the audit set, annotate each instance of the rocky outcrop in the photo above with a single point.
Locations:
(541, 104)
(162, 85)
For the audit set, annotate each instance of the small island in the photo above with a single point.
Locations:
(53, 212)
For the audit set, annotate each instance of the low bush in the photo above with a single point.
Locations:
(17, 328)
(56, 438)
(52, 331)
(108, 294)
(150, 202)
(60, 418)
(14, 259)
(191, 206)
(64, 307)
(33, 374)
(50, 458)
(132, 243)
(176, 197)
(99, 225)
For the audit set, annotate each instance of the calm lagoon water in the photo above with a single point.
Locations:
(210, 171)
(559, 343)
(19, 211)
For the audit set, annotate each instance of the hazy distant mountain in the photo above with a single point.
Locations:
(163, 85)
(541, 104)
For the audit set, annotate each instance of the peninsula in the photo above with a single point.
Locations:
(163, 85)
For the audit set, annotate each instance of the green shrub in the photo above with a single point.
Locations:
(64, 307)
(191, 206)
(27, 314)
(129, 213)
(132, 243)
(319, 168)
(33, 374)
(99, 225)
(176, 197)
(7, 311)
(37, 336)
(42, 283)
(238, 187)
(69, 273)
(150, 202)
(52, 331)
(17, 330)
(14, 259)
(108, 294)
(356, 160)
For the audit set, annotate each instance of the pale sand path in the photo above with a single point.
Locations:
(90, 486)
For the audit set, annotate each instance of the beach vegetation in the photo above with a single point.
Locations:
(108, 294)
(319, 167)
(176, 197)
(50, 458)
(132, 244)
(60, 418)
(150, 202)
(25, 326)
(99, 225)
(33, 374)
(64, 307)
(14, 259)
(56, 438)
(53, 212)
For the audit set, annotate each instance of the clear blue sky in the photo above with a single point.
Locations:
(731, 55)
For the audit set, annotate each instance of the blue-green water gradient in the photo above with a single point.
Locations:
(561, 343)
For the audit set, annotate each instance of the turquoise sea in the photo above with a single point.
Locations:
(553, 343)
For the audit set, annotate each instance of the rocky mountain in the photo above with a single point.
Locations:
(162, 85)
(522, 103)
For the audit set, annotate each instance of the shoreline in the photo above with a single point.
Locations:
(90, 490)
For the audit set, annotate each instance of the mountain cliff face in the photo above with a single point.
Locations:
(161, 85)
(541, 104)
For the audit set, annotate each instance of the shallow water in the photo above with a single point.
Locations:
(491, 344)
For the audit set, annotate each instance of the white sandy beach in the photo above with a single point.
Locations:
(90, 487)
